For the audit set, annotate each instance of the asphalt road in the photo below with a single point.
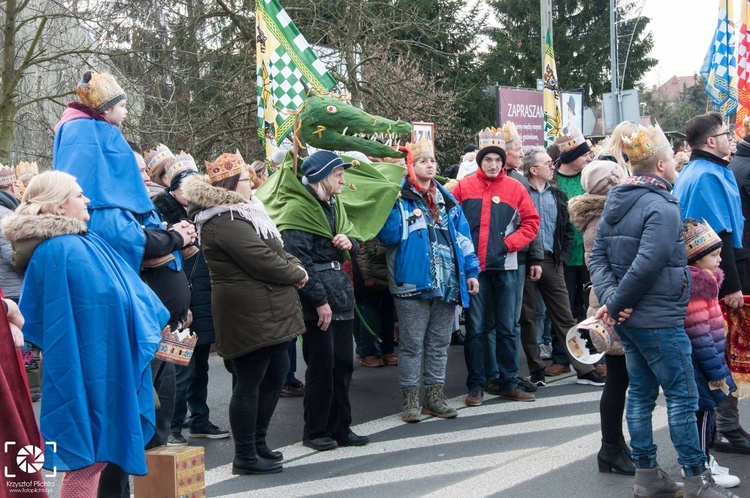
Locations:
(504, 449)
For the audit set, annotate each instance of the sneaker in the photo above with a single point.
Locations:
(293, 389)
(705, 486)
(556, 369)
(176, 439)
(373, 361)
(474, 398)
(457, 338)
(526, 386)
(538, 378)
(390, 359)
(591, 379)
(211, 432)
(493, 387)
(545, 351)
(721, 474)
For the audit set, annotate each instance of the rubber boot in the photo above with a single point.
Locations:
(410, 397)
(434, 403)
(655, 483)
(612, 458)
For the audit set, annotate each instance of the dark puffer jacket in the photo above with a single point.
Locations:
(254, 300)
(331, 286)
(196, 271)
(704, 325)
(639, 258)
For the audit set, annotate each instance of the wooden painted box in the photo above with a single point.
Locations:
(173, 472)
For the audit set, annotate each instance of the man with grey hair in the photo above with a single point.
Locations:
(556, 234)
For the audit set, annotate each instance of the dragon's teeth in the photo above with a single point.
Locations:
(388, 143)
(344, 132)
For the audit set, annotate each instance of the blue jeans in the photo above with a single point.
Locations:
(497, 291)
(662, 357)
(490, 360)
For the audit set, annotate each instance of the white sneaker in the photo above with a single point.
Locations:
(721, 474)
(545, 351)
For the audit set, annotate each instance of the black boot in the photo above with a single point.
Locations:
(268, 397)
(267, 453)
(244, 465)
(626, 449)
(734, 441)
(612, 458)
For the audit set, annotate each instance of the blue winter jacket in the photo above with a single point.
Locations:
(639, 259)
(409, 246)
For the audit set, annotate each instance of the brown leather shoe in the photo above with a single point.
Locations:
(157, 262)
(601, 370)
(474, 398)
(390, 359)
(516, 395)
(371, 361)
(556, 369)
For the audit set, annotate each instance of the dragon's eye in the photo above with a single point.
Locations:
(331, 109)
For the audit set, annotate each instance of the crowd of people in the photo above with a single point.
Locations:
(636, 239)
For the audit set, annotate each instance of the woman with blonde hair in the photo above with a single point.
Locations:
(98, 326)
(614, 149)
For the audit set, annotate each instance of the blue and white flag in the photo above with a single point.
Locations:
(719, 68)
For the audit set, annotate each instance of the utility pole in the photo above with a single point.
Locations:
(545, 7)
(613, 59)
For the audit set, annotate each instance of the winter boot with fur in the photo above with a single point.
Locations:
(410, 397)
(434, 403)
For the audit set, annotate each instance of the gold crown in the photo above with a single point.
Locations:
(491, 137)
(99, 91)
(155, 157)
(225, 166)
(510, 133)
(569, 141)
(421, 148)
(7, 178)
(182, 161)
(645, 143)
(24, 168)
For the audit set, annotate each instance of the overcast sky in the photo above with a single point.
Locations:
(682, 31)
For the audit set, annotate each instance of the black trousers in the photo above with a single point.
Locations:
(260, 376)
(612, 403)
(330, 362)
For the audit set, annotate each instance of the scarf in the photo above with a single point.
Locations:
(252, 211)
(641, 180)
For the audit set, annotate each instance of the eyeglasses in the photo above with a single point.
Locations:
(727, 133)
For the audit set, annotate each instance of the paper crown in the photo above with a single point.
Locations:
(225, 166)
(160, 156)
(7, 178)
(491, 137)
(645, 143)
(176, 347)
(24, 168)
(421, 148)
(510, 133)
(100, 90)
(570, 141)
(181, 162)
(700, 239)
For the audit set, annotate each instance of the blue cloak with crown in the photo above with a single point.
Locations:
(95, 152)
(98, 326)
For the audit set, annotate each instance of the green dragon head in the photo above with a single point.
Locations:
(329, 123)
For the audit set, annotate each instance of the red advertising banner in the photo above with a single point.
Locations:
(525, 108)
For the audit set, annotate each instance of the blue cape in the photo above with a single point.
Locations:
(99, 327)
(708, 191)
(96, 153)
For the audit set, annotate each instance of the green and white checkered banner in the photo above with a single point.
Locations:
(284, 60)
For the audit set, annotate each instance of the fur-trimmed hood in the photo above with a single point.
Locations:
(705, 285)
(26, 232)
(201, 195)
(585, 208)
